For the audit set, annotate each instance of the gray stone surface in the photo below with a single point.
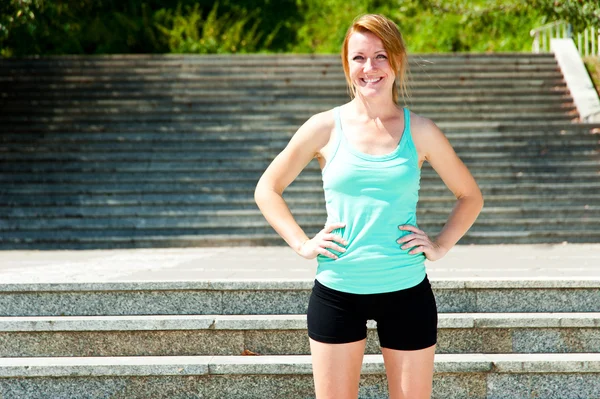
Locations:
(111, 303)
(546, 363)
(539, 300)
(122, 343)
(259, 387)
(543, 386)
(104, 366)
(107, 323)
(279, 334)
(293, 342)
(281, 322)
(265, 302)
(260, 322)
(155, 387)
(459, 386)
(455, 301)
(474, 341)
(557, 340)
(198, 268)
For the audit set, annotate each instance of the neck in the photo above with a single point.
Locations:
(374, 108)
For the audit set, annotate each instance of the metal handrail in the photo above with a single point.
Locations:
(588, 41)
(547, 32)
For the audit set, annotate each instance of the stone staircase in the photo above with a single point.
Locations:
(497, 339)
(165, 151)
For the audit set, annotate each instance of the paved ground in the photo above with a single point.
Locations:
(497, 262)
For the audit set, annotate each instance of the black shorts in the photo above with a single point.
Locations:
(406, 319)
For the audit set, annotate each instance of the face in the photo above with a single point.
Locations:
(369, 66)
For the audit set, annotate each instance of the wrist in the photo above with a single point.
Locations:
(300, 244)
(445, 248)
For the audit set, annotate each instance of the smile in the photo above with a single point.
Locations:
(374, 80)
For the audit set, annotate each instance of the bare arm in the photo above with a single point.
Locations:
(302, 148)
(439, 153)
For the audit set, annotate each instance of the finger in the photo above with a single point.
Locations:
(415, 243)
(417, 250)
(410, 228)
(332, 245)
(329, 228)
(326, 253)
(336, 238)
(407, 238)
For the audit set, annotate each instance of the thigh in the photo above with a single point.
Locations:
(409, 373)
(336, 369)
(338, 330)
(407, 320)
(335, 317)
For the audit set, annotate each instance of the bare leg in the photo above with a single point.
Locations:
(336, 369)
(409, 373)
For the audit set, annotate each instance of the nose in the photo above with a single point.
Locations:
(368, 66)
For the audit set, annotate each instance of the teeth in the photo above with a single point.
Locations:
(372, 80)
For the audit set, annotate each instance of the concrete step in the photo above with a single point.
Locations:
(279, 297)
(270, 107)
(39, 169)
(415, 65)
(189, 335)
(276, 145)
(270, 76)
(16, 180)
(222, 224)
(246, 201)
(338, 87)
(306, 188)
(282, 117)
(202, 213)
(263, 156)
(52, 241)
(178, 59)
(466, 376)
(463, 127)
(283, 98)
(71, 91)
(264, 136)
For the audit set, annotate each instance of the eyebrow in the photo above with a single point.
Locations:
(360, 52)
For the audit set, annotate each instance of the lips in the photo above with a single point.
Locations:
(371, 80)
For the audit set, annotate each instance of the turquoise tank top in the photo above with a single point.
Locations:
(373, 195)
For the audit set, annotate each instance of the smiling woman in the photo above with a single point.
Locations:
(371, 252)
(390, 49)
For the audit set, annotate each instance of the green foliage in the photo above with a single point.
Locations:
(579, 13)
(16, 15)
(303, 26)
(593, 67)
(231, 32)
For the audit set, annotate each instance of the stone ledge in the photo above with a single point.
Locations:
(269, 365)
(291, 284)
(280, 322)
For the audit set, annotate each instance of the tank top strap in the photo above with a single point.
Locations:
(407, 135)
(337, 137)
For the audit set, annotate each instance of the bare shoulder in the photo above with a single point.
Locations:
(426, 135)
(315, 133)
(422, 127)
(318, 128)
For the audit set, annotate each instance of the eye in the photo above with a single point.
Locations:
(382, 57)
(357, 57)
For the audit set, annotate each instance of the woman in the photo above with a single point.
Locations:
(371, 252)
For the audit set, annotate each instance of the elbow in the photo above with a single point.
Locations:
(262, 194)
(258, 194)
(479, 201)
